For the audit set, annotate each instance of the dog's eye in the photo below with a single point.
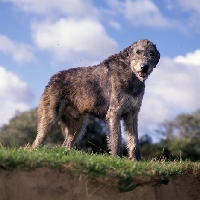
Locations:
(152, 54)
(138, 52)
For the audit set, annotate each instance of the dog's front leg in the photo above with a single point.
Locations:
(114, 133)
(131, 132)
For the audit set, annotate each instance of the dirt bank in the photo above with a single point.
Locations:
(57, 184)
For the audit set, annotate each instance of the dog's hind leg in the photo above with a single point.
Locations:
(49, 111)
(131, 133)
(72, 128)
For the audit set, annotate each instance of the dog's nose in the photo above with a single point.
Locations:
(144, 67)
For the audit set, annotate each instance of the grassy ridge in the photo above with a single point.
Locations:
(11, 158)
(94, 164)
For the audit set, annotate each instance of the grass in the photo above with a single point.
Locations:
(95, 165)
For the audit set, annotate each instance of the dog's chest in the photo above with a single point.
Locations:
(132, 98)
(133, 101)
(128, 103)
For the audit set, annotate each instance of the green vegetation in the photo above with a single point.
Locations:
(92, 164)
(180, 137)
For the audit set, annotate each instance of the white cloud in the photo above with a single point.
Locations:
(47, 7)
(143, 12)
(189, 12)
(8, 110)
(70, 37)
(115, 25)
(189, 5)
(20, 52)
(190, 58)
(171, 89)
(15, 95)
(185, 5)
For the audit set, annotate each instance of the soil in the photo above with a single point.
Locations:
(60, 184)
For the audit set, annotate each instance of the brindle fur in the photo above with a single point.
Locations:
(112, 90)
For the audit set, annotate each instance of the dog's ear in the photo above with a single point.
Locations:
(125, 54)
(157, 57)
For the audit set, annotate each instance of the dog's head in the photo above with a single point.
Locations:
(144, 57)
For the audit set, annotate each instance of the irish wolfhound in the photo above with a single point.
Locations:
(112, 90)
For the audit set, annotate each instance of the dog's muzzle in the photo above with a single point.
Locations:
(143, 72)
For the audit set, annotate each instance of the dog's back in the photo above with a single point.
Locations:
(86, 89)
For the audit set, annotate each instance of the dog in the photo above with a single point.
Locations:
(112, 90)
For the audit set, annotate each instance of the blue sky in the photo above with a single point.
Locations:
(40, 37)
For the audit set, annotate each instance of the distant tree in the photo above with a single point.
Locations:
(182, 136)
(95, 137)
(182, 127)
(145, 139)
(22, 129)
